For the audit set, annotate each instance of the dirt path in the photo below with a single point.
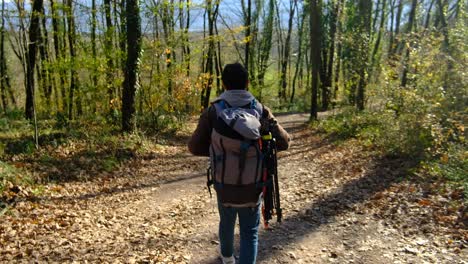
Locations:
(158, 210)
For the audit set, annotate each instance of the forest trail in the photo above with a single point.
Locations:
(341, 205)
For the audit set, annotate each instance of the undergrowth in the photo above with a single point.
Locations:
(439, 145)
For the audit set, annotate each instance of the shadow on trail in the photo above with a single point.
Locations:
(120, 189)
(385, 171)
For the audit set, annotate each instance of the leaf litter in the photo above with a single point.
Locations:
(342, 204)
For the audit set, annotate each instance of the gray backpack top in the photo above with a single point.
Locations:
(235, 155)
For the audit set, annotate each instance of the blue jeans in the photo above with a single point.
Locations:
(249, 220)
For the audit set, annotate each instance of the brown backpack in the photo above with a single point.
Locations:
(236, 161)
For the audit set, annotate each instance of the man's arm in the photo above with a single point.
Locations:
(282, 137)
(199, 143)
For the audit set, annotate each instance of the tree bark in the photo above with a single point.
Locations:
(133, 23)
(412, 17)
(286, 50)
(248, 25)
(379, 35)
(299, 61)
(210, 63)
(73, 72)
(34, 36)
(108, 48)
(58, 53)
(93, 43)
(315, 52)
(4, 79)
(365, 10)
(265, 45)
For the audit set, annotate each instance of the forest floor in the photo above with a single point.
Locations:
(342, 203)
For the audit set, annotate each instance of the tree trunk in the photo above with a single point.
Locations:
(331, 59)
(4, 80)
(265, 45)
(394, 42)
(247, 25)
(108, 50)
(338, 39)
(379, 36)
(212, 13)
(428, 15)
(94, 77)
(73, 72)
(412, 17)
(44, 55)
(364, 13)
(58, 52)
(34, 35)
(133, 23)
(299, 61)
(286, 50)
(315, 45)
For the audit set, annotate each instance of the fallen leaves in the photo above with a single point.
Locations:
(144, 212)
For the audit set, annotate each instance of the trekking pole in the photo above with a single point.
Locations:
(279, 211)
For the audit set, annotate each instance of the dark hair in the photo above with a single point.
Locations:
(234, 76)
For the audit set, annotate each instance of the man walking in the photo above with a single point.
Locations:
(228, 133)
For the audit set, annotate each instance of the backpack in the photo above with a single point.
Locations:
(235, 155)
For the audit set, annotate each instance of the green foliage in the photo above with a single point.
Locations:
(12, 176)
(452, 167)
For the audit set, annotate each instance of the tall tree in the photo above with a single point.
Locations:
(133, 36)
(327, 83)
(299, 61)
(287, 50)
(58, 49)
(264, 45)
(44, 73)
(339, 43)
(212, 8)
(379, 35)
(364, 30)
(248, 28)
(394, 40)
(108, 50)
(94, 22)
(5, 85)
(315, 52)
(410, 25)
(31, 53)
(73, 71)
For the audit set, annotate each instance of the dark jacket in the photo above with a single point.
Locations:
(199, 143)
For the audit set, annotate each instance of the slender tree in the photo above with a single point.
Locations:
(133, 36)
(73, 72)
(58, 50)
(287, 50)
(364, 30)
(379, 35)
(264, 45)
(94, 22)
(108, 50)
(4, 78)
(410, 25)
(299, 61)
(315, 51)
(394, 40)
(247, 24)
(34, 36)
(212, 8)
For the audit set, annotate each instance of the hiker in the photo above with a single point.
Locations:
(227, 133)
